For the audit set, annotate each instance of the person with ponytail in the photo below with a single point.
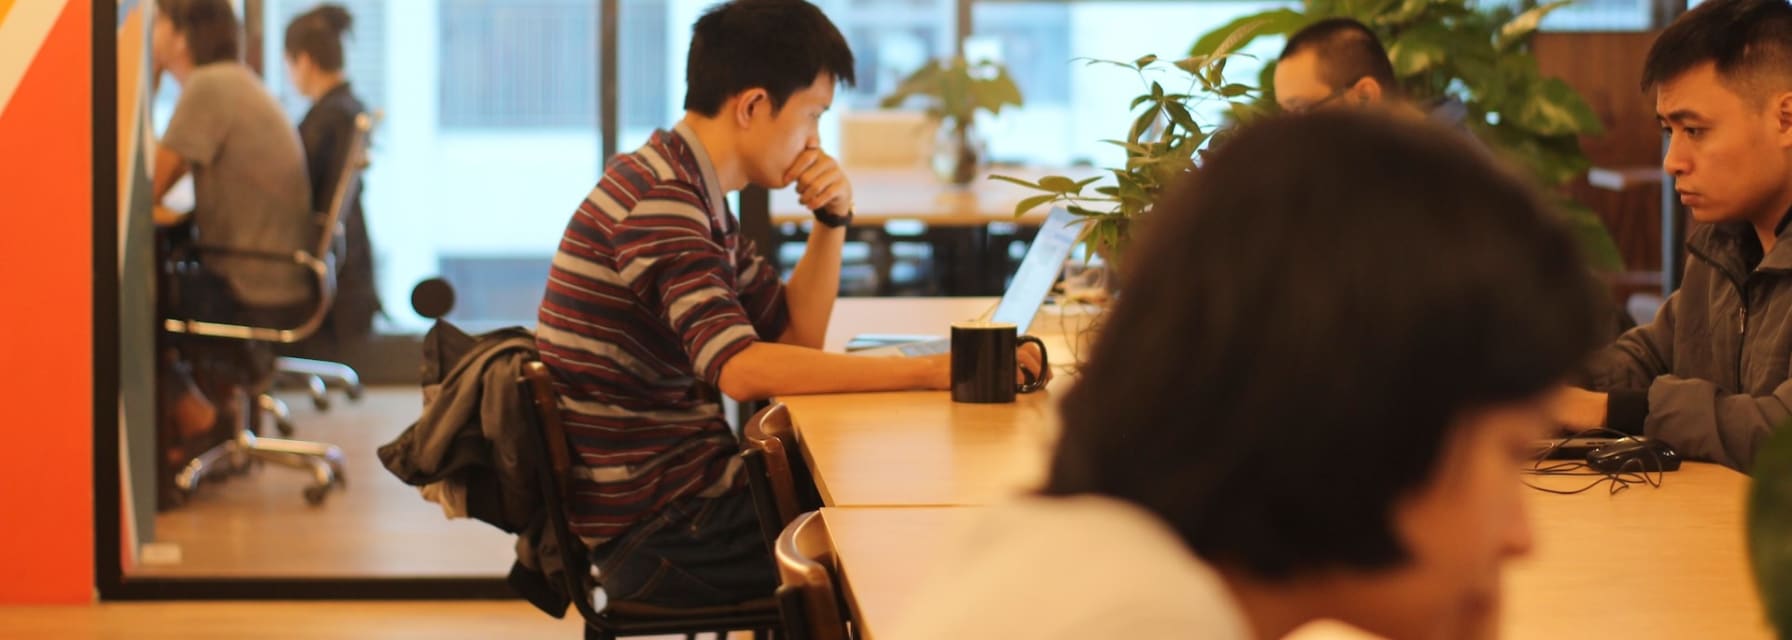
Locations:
(314, 62)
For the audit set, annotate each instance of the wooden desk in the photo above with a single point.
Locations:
(884, 556)
(882, 195)
(920, 448)
(1646, 563)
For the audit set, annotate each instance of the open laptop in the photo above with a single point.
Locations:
(1026, 291)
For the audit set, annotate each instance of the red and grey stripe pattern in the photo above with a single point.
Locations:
(652, 291)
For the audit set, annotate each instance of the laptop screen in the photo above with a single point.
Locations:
(1038, 270)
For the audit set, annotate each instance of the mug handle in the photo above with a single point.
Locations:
(1034, 382)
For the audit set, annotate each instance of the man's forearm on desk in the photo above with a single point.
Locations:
(768, 369)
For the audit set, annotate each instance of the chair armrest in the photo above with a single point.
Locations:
(293, 257)
(323, 271)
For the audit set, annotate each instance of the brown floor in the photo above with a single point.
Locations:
(259, 525)
(288, 621)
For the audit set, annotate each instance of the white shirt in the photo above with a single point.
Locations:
(1076, 567)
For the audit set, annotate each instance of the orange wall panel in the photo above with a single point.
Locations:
(46, 326)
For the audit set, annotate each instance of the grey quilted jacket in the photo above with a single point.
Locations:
(1715, 364)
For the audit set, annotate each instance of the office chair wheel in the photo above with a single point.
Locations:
(320, 394)
(316, 493)
(355, 392)
(284, 425)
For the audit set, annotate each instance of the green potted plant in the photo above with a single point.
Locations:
(1770, 527)
(1456, 49)
(955, 91)
(1162, 142)
(1439, 48)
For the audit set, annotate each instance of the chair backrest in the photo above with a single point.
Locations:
(777, 474)
(348, 186)
(546, 408)
(319, 261)
(765, 450)
(549, 435)
(808, 595)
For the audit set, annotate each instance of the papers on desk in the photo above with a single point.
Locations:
(180, 197)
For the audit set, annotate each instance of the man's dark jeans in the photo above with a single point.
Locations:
(696, 552)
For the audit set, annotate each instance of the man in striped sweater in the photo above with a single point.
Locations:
(655, 302)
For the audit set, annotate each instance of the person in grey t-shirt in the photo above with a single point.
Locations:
(250, 184)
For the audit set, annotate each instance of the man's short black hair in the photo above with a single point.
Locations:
(1348, 51)
(209, 26)
(777, 45)
(1750, 41)
(1293, 346)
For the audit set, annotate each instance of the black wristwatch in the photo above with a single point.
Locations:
(831, 220)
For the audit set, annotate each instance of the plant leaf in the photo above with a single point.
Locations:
(1032, 202)
(1024, 183)
(1144, 61)
(1060, 184)
(1552, 109)
(1408, 11)
(1596, 245)
(1268, 23)
(1770, 527)
(1090, 62)
(1520, 28)
(1234, 90)
(1421, 49)
(1179, 114)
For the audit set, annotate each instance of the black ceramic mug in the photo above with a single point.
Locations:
(983, 362)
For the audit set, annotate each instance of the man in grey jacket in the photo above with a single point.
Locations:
(1710, 375)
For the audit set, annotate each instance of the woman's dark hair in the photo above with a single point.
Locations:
(777, 45)
(209, 26)
(318, 34)
(1302, 322)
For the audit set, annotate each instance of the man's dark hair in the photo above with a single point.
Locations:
(209, 26)
(318, 34)
(777, 45)
(1750, 41)
(1294, 346)
(1347, 50)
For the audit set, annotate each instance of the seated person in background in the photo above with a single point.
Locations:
(1330, 430)
(655, 301)
(1710, 375)
(314, 61)
(250, 186)
(1340, 62)
(250, 193)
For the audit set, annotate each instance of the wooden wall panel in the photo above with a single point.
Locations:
(1606, 68)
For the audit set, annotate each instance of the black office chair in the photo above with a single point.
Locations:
(617, 619)
(324, 461)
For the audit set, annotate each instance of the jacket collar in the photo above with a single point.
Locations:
(1724, 245)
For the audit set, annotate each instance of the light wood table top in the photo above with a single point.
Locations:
(1646, 563)
(882, 195)
(921, 448)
